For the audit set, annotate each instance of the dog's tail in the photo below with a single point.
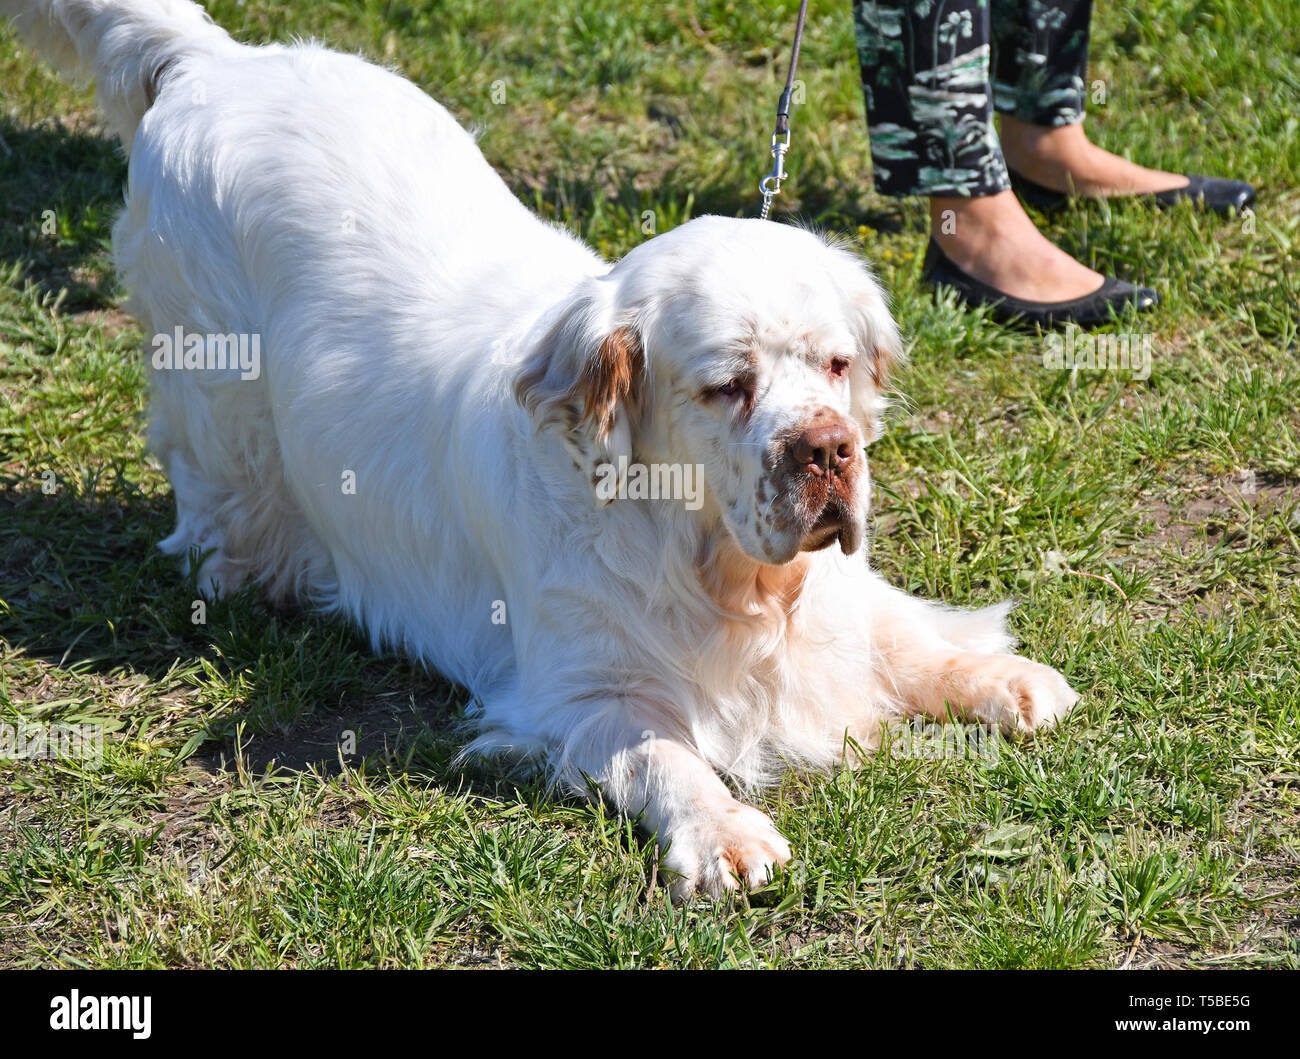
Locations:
(124, 46)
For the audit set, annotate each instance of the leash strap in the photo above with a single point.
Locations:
(770, 185)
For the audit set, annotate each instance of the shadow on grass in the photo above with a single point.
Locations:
(85, 589)
(60, 190)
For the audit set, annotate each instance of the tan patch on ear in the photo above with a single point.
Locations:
(608, 377)
(882, 357)
(882, 361)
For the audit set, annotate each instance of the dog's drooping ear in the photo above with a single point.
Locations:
(585, 379)
(879, 347)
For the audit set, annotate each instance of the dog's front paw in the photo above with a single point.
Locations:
(1024, 696)
(723, 849)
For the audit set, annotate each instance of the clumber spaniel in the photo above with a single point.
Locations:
(444, 388)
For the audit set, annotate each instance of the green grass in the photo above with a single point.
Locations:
(1149, 529)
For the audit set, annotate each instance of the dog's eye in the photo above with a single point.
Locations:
(839, 367)
(737, 387)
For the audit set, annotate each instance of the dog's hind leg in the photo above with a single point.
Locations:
(233, 507)
(197, 533)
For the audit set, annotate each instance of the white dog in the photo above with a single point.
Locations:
(444, 386)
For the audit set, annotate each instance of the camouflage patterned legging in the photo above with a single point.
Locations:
(930, 99)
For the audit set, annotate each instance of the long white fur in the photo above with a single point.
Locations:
(400, 292)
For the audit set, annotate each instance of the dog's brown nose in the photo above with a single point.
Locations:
(825, 447)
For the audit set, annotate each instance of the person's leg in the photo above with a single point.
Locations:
(1040, 52)
(925, 77)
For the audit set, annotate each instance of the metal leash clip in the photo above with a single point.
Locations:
(770, 185)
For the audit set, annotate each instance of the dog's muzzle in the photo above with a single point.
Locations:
(822, 467)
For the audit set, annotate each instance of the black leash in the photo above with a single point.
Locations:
(770, 185)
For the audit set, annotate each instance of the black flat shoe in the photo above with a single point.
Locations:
(1099, 307)
(1209, 193)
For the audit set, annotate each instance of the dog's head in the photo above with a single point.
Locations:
(752, 350)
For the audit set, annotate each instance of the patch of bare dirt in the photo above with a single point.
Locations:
(1214, 508)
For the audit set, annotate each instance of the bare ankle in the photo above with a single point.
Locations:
(993, 239)
(966, 220)
(1062, 158)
